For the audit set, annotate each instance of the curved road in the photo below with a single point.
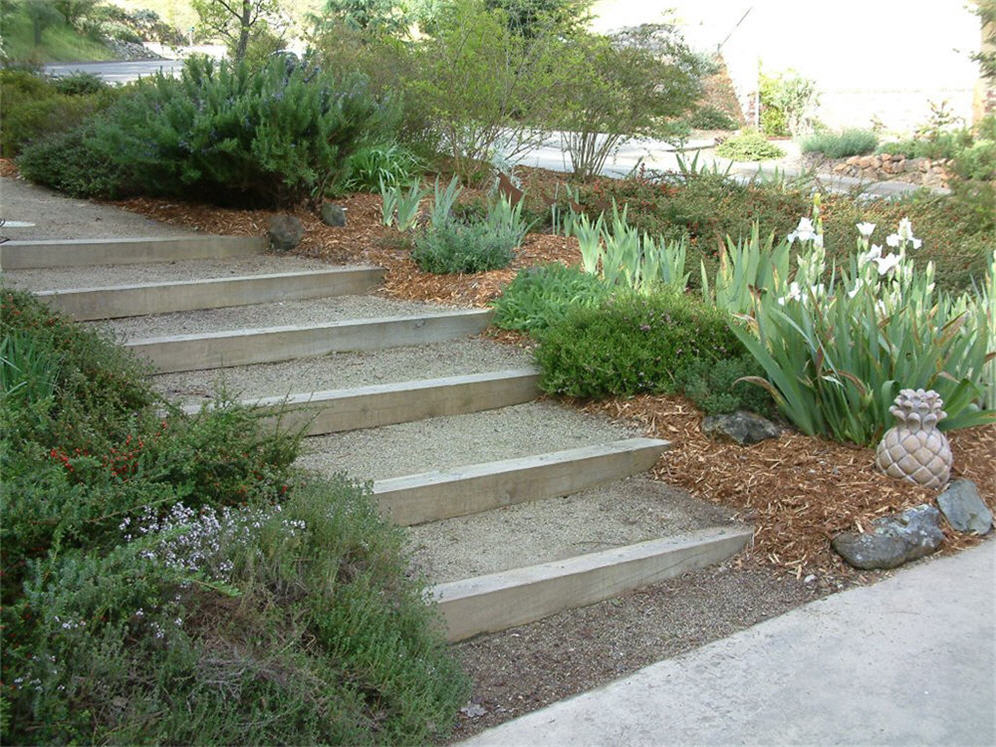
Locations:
(117, 72)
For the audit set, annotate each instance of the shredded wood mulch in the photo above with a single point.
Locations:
(797, 491)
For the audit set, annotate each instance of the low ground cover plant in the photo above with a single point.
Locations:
(476, 244)
(711, 118)
(749, 146)
(840, 144)
(538, 297)
(172, 579)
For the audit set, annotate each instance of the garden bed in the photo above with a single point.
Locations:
(798, 491)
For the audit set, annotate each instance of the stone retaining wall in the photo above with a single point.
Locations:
(886, 167)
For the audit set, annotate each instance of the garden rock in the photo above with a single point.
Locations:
(333, 215)
(892, 540)
(964, 509)
(286, 232)
(744, 428)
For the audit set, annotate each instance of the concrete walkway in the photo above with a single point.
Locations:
(909, 660)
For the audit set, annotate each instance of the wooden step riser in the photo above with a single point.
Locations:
(519, 596)
(471, 489)
(244, 347)
(370, 407)
(29, 255)
(162, 298)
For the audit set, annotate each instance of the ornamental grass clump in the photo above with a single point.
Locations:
(478, 244)
(837, 349)
(623, 257)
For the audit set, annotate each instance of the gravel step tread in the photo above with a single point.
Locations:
(620, 513)
(59, 217)
(343, 370)
(286, 313)
(102, 276)
(456, 440)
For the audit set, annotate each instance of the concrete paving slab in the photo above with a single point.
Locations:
(909, 660)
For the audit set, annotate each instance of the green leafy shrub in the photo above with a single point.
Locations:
(840, 145)
(226, 134)
(632, 344)
(711, 118)
(750, 146)
(973, 176)
(481, 87)
(773, 122)
(787, 100)
(541, 296)
(34, 107)
(716, 387)
(454, 246)
(64, 162)
(170, 579)
(79, 84)
(703, 208)
(372, 165)
(622, 86)
(450, 245)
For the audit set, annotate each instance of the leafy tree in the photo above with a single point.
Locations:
(75, 11)
(236, 20)
(623, 86)
(367, 15)
(42, 15)
(486, 89)
(986, 11)
(532, 17)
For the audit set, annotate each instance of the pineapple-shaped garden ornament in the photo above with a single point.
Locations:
(914, 449)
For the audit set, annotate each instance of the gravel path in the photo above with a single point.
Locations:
(456, 440)
(59, 217)
(618, 513)
(317, 311)
(98, 276)
(344, 370)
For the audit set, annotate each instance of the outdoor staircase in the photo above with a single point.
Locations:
(463, 470)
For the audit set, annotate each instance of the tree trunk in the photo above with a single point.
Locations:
(244, 22)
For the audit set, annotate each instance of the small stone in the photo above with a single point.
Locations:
(333, 215)
(964, 509)
(742, 427)
(286, 232)
(473, 710)
(868, 162)
(892, 540)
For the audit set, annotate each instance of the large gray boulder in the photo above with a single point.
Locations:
(286, 232)
(892, 540)
(742, 427)
(964, 509)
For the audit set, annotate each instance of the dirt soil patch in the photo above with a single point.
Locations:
(797, 491)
